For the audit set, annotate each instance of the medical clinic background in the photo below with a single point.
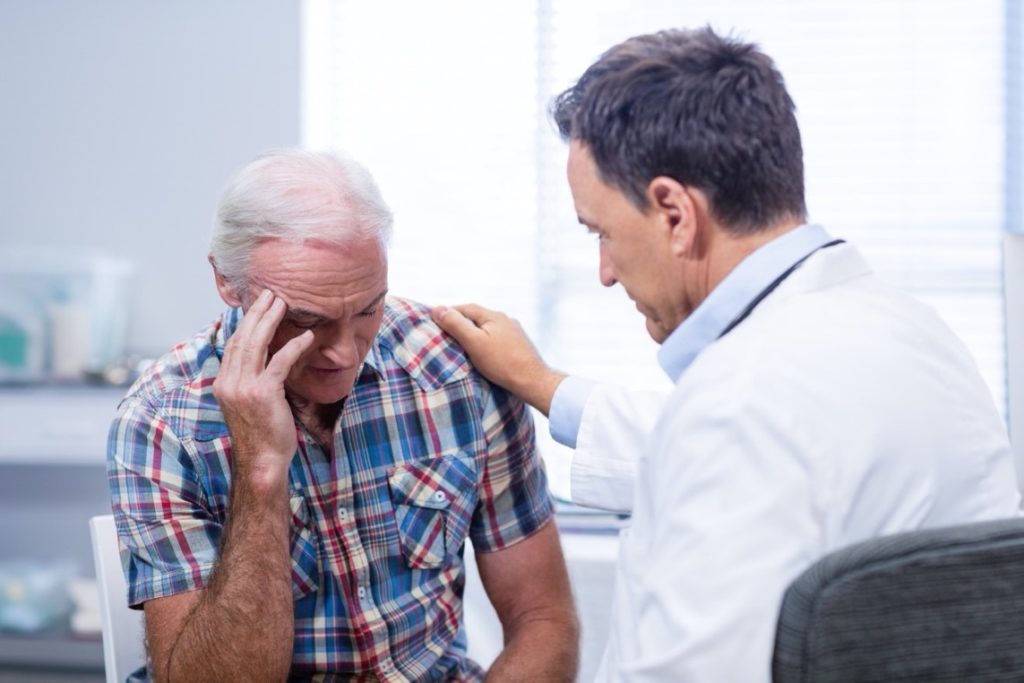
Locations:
(121, 121)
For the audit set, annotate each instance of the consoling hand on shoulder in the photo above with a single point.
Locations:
(501, 351)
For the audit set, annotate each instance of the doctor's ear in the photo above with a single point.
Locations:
(678, 207)
(228, 292)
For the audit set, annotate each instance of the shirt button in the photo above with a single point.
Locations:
(343, 514)
(439, 496)
(362, 592)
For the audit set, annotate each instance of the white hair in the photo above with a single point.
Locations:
(296, 195)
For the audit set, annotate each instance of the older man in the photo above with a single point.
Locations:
(814, 405)
(293, 486)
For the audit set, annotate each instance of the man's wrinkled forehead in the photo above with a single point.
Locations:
(358, 267)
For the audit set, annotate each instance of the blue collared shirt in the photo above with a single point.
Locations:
(709, 320)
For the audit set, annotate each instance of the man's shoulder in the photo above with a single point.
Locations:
(180, 383)
(410, 341)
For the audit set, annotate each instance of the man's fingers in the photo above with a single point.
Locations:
(255, 313)
(239, 344)
(262, 332)
(235, 347)
(281, 363)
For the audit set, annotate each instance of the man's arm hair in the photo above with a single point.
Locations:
(241, 625)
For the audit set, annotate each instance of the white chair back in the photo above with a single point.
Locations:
(123, 628)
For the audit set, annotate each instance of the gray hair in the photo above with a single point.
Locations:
(296, 195)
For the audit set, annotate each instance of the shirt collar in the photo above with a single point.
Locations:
(734, 293)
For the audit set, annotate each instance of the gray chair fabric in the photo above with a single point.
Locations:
(931, 605)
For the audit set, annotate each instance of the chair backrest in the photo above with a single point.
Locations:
(123, 629)
(931, 605)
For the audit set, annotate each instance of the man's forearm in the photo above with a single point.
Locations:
(243, 625)
(542, 647)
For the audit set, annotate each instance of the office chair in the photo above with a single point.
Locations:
(931, 605)
(123, 629)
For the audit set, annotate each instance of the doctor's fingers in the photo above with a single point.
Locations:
(478, 314)
(452, 321)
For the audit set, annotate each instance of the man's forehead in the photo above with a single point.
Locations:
(361, 302)
(356, 245)
(318, 279)
(308, 260)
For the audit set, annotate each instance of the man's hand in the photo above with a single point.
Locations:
(501, 351)
(250, 390)
(208, 634)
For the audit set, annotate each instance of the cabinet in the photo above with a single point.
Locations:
(52, 480)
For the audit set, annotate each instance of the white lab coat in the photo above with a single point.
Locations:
(838, 411)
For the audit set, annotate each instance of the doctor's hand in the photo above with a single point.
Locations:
(501, 351)
(250, 390)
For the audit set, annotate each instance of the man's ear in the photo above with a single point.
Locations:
(678, 208)
(224, 288)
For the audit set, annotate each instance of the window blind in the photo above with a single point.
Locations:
(901, 104)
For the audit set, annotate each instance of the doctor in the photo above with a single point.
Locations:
(814, 405)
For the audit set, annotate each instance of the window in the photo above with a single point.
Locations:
(901, 105)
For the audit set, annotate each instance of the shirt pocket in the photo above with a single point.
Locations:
(434, 501)
(305, 556)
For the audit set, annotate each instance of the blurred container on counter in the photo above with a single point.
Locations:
(63, 312)
(34, 596)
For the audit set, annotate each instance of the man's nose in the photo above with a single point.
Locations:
(341, 350)
(605, 270)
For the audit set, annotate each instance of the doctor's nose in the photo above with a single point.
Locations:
(605, 271)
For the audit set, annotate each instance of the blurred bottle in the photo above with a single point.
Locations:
(70, 342)
(22, 341)
(63, 312)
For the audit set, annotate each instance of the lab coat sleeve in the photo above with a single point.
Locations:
(729, 501)
(611, 429)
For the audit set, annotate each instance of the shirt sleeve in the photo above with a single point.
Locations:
(566, 410)
(614, 426)
(514, 500)
(167, 536)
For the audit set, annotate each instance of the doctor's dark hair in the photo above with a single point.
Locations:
(709, 111)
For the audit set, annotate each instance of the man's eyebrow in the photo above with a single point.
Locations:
(311, 316)
(304, 315)
(376, 300)
(295, 312)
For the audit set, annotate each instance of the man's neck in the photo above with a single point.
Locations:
(726, 250)
(319, 419)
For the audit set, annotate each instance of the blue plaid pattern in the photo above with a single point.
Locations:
(427, 454)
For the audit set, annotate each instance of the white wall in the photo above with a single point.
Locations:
(121, 120)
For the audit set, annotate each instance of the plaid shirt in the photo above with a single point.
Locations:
(426, 455)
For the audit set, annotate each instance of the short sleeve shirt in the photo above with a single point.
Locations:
(426, 454)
